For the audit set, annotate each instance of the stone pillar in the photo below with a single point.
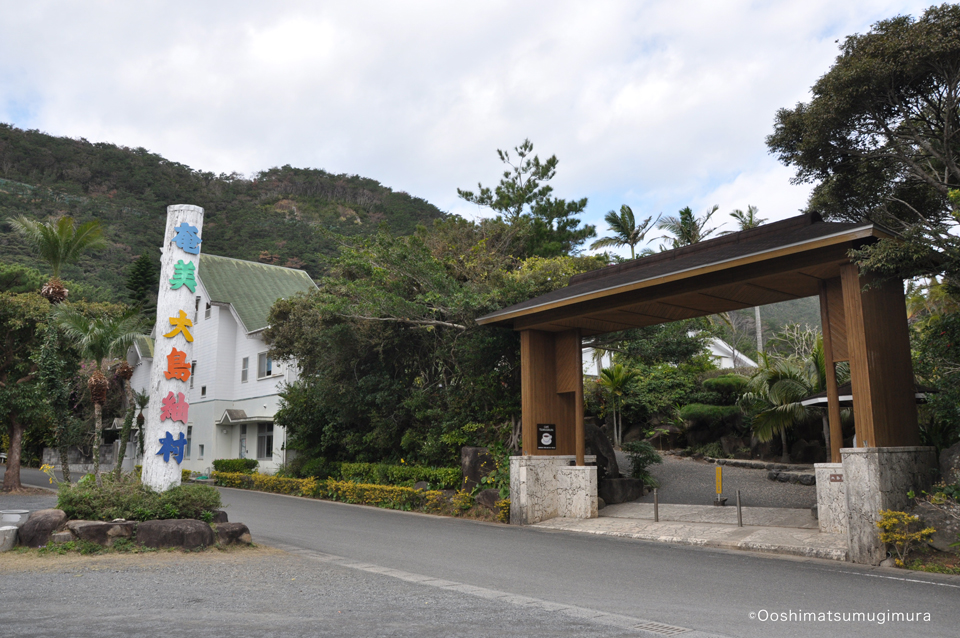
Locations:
(878, 479)
(831, 498)
(545, 487)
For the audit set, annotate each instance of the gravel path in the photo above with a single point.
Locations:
(684, 481)
(259, 592)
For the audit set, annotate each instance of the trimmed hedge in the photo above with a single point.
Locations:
(387, 496)
(134, 501)
(236, 465)
(439, 478)
(710, 416)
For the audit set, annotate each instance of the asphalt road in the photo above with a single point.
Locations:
(604, 582)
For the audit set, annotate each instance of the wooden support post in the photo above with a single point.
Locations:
(550, 372)
(834, 349)
(881, 370)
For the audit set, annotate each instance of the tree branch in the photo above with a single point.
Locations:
(412, 322)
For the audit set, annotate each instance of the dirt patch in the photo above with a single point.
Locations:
(28, 491)
(19, 560)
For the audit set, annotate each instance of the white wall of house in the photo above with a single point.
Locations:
(220, 346)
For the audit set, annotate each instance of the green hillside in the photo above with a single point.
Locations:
(276, 217)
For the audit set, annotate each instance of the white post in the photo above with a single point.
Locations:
(167, 416)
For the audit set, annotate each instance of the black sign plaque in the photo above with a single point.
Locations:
(546, 436)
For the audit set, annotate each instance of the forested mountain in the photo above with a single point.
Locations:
(277, 217)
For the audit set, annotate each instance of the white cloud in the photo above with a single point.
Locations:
(655, 104)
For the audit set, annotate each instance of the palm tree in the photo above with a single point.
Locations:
(748, 220)
(625, 231)
(141, 399)
(686, 228)
(615, 380)
(58, 243)
(98, 339)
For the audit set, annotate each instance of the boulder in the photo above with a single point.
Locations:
(488, 499)
(621, 490)
(950, 464)
(100, 532)
(187, 533)
(596, 439)
(233, 534)
(601, 503)
(666, 437)
(632, 433)
(732, 444)
(41, 524)
(421, 485)
(475, 463)
(947, 526)
(807, 452)
(62, 537)
(219, 516)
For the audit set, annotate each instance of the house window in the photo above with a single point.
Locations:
(264, 366)
(203, 391)
(193, 372)
(186, 449)
(196, 309)
(201, 452)
(265, 441)
(244, 369)
(206, 312)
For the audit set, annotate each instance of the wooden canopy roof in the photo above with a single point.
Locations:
(768, 264)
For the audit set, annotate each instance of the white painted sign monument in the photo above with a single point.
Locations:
(166, 422)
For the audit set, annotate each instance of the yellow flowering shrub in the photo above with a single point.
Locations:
(901, 530)
(462, 500)
(503, 510)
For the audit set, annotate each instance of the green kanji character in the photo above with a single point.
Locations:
(183, 275)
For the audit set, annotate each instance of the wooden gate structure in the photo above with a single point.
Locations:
(864, 322)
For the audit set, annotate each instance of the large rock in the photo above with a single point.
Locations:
(219, 516)
(187, 533)
(940, 519)
(807, 452)
(732, 444)
(666, 437)
(621, 490)
(475, 463)
(233, 534)
(599, 444)
(41, 524)
(950, 464)
(488, 499)
(100, 532)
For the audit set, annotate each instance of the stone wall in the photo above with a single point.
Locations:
(878, 479)
(831, 498)
(545, 487)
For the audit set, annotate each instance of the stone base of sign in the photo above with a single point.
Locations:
(545, 487)
(831, 498)
(878, 479)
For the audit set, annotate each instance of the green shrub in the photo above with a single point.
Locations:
(728, 386)
(134, 501)
(713, 450)
(247, 466)
(642, 455)
(317, 467)
(439, 478)
(710, 416)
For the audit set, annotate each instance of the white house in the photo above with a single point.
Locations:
(234, 386)
(723, 354)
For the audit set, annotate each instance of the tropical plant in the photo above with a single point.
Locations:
(98, 339)
(625, 230)
(642, 455)
(58, 243)
(615, 381)
(686, 228)
(142, 400)
(775, 392)
(746, 221)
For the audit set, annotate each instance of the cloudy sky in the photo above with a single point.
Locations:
(657, 104)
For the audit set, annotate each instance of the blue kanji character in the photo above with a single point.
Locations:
(186, 238)
(169, 446)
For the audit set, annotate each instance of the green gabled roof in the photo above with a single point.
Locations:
(145, 346)
(249, 287)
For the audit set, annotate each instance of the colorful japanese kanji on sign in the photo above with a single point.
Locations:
(186, 239)
(172, 447)
(177, 366)
(180, 324)
(175, 408)
(183, 275)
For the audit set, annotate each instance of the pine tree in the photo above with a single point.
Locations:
(142, 282)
